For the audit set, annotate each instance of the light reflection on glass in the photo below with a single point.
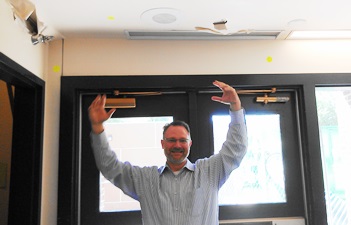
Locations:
(334, 119)
(260, 177)
(121, 133)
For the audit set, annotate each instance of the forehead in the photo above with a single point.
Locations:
(176, 131)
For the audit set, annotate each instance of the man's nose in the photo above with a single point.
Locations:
(178, 143)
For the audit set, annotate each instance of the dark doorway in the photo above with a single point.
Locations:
(27, 105)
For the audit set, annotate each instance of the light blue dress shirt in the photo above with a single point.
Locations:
(188, 198)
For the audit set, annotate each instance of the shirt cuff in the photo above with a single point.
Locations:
(98, 139)
(237, 117)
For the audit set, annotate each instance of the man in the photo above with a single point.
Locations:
(181, 192)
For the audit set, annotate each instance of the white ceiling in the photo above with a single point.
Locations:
(110, 18)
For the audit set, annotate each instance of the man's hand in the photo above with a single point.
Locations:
(229, 96)
(98, 114)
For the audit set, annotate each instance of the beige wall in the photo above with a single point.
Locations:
(132, 57)
(51, 135)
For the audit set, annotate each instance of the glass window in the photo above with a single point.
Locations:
(334, 118)
(136, 140)
(260, 177)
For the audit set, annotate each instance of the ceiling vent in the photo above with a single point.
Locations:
(198, 35)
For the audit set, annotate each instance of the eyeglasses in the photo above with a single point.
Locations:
(173, 140)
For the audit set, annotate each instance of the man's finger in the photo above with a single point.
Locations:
(110, 112)
(102, 100)
(95, 102)
(216, 98)
(218, 84)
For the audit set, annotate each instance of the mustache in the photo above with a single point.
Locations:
(177, 150)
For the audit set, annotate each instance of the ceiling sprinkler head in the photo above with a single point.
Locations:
(39, 38)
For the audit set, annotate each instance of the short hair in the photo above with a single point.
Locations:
(176, 123)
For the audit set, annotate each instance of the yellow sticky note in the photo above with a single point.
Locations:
(269, 59)
(56, 69)
(111, 18)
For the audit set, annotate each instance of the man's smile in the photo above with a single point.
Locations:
(177, 150)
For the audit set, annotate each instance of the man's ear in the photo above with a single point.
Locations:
(162, 143)
(190, 143)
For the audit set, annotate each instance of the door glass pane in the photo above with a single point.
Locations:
(334, 119)
(260, 177)
(138, 141)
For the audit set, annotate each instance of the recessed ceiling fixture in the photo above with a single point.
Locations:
(196, 35)
(333, 34)
(162, 16)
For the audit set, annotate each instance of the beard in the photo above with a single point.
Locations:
(177, 150)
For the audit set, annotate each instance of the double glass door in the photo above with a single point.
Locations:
(267, 184)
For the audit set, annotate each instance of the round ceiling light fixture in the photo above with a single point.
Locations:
(164, 18)
(161, 16)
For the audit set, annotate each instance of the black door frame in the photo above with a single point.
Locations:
(27, 142)
(177, 105)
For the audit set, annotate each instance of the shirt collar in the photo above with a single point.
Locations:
(189, 165)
